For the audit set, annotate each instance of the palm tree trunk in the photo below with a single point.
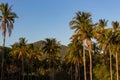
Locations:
(117, 75)
(4, 41)
(84, 59)
(52, 73)
(90, 64)
(76, 72)
(22, 68)
(71, 72)
(111, 77)
(2, 64)
(89, 43)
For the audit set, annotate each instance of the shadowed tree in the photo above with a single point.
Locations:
(74, 56)
(52, 49)
(19, 50)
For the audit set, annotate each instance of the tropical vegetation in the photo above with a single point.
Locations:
(92, 54)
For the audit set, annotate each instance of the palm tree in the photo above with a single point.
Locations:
(34, 57)
(7, 19)
(74, 56)
(52, 49)
(105, 39)
(20, 51)
(107, 43)
(116, 38)
(82, 23)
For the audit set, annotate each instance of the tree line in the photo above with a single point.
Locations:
(92, 54)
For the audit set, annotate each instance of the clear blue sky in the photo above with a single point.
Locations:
(40, 19)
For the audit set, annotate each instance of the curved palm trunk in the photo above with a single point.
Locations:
(111, 77)
(117, 75)
(89, 43)
(90, 64)
(84, 59)
(2, 63)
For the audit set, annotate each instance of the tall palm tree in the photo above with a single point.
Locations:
(105, 39)
(34, 56)
(20, 51)
(116, 33)
(51, 48)
(74, 56)
(82, 23)
(7, 17)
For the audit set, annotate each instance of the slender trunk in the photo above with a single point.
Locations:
(4, 41)
(52, 73)
(76, 72)
(2, 63)
(19, 71)
(111, 77)
(22, 68)
(2, 66)
(84, 62)
(28, 69)
(50, 69)
(71, 72)
(117, 75)
(90, 64)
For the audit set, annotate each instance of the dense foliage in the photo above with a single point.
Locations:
(92, 54)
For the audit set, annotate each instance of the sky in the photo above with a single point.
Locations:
(40, 19)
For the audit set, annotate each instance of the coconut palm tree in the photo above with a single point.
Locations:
(107, 44)
(74, 56)
(34, 57)
(105, 38)
(7, 17)
(20, 51)
(52, 49)
(116, 38)
(82, 23)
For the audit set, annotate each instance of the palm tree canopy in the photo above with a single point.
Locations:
(19, 48)
(102, 23)
(7, 18)
(74, 53)
(82, 23)
(51, 46)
